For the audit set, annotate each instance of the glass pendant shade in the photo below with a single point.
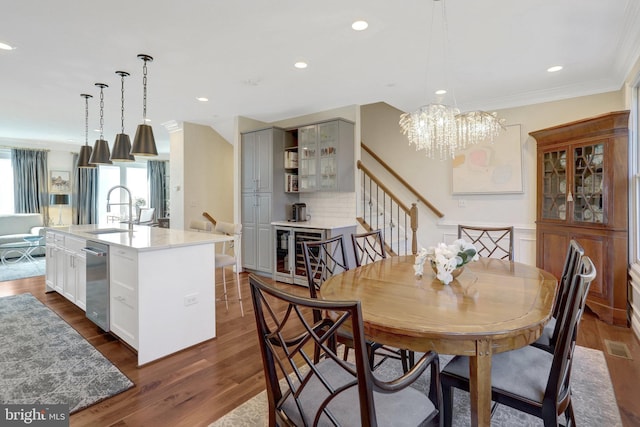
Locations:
(84, 157)
(100, 154)
(143, 143)
(122, 149)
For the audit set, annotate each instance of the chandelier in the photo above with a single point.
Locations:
(443, 129)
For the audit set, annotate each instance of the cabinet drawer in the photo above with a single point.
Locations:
(75, 245)
(123, 267)
(124, 313)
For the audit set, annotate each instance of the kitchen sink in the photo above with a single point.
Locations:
(107, 231)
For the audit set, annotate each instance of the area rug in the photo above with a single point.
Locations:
(43, 360)
(593, 398)
(22, 269)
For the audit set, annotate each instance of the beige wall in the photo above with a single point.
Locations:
(201, 175)
(432, 178)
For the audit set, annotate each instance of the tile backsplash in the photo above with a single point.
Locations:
(330, 205)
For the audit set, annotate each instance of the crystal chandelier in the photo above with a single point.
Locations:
(443, 129)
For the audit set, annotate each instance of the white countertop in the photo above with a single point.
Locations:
(320, 223)
(143, 237)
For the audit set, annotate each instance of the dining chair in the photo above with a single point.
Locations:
(490, 242)
(145, 216)
(531, 379)
(303, 390)
(369, 247)
(551, 331)
(229, 257)
(322, 260)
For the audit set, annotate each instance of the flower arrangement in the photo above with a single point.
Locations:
(446, 258)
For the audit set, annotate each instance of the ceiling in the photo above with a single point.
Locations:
(240, 55)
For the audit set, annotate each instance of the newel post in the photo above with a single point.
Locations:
(414, 228)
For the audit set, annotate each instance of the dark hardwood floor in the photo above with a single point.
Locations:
(199, 385)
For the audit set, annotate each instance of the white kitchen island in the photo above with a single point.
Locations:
(162, 283)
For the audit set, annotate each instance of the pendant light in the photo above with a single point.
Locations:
(122, 144)
(85, 150)
(100, 154)
(144, 144)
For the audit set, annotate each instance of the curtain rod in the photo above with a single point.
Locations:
(24, 148)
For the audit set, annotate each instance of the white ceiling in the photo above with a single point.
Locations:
(240, 55)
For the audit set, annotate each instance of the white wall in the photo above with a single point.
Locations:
(432, 178)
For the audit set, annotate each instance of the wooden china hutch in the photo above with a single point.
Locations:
(582, 194)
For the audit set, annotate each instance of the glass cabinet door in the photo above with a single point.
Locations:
(588, 181)
(307, 158)
(328, 144)
(554, 181)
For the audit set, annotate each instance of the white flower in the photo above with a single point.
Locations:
(446, 258)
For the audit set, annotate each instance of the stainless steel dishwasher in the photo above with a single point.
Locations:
(98, 283)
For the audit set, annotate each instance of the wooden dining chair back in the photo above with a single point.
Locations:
(323, 259)
(551, 331)
(303, 391)
(368, 247)
(531, 379)
(490, 242)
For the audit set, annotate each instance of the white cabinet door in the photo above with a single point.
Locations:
(70, 276)
(60, 269)
(81, 281)
(50, 278)
(123, 271)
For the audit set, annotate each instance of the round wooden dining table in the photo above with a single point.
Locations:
(493, 306)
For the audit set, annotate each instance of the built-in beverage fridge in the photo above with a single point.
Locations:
(289, 258)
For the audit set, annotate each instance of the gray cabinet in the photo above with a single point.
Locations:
(263, 197)
(326, 157)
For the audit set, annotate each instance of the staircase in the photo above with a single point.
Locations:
(380, 208)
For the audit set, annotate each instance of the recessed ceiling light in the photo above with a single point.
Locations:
(441, 92)
(300, 64)
(360, 25)
(5, 46)
(202, 99)
(554, 68)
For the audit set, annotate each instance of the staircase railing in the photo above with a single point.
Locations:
(381, 209)
(401, 180)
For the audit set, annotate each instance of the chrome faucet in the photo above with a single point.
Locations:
(130, 203)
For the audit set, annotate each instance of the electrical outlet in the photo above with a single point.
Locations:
(190, 299)
(462, 203)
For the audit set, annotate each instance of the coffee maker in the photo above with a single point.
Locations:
(298, 212)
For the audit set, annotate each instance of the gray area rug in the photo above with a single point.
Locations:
(22, 269)
(43, 360)
(593, 398)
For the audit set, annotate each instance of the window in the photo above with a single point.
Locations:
(6, 178)
(134, 177)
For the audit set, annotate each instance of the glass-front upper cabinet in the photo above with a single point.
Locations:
(307, 158)
(554, 181)
(319, 166)
(328, 138)
(588, 179)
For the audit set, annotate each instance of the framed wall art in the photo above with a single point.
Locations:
(60, 181)
(490, 168)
